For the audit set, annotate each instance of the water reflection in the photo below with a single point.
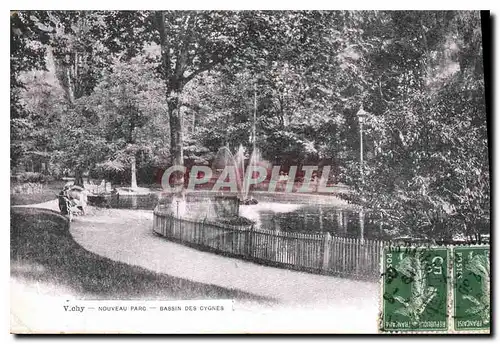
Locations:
(147, 202)
(320, 219)
(288, 217)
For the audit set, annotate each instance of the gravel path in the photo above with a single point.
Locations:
(126, 236)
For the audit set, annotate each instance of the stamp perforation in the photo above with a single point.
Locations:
(449, 288)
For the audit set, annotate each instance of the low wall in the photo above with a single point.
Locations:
(265, 196)
(26, 188)
(317, 253)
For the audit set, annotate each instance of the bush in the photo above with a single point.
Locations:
(27, 188)
(32, 177)
(236, 221)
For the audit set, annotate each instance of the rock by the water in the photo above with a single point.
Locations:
(250, 201)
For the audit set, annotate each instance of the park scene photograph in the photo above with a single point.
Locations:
(267, 158)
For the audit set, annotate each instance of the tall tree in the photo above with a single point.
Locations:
(428, 171)
(126, 103)
(192, 42)
(26, 53)
(80, 58)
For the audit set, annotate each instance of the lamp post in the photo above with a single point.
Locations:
(254, 134)
(361, 114)
(246, 183)
(361, 118)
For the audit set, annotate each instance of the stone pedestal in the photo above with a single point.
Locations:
(226, 206)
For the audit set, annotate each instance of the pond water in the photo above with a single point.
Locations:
(148, 201)
(305, 218)
(289, 217)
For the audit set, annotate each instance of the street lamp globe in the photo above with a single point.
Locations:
(361, 114)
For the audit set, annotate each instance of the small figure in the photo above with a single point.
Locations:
(72, 200)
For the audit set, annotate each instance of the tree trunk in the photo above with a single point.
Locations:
(173, 79)
(64, 76)
(79, 177)
(133, 179)
(176, 137)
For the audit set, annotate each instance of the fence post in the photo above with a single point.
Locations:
(357, 254)
(379, 268)
(248, 242)
(203, 232)
(326, 251)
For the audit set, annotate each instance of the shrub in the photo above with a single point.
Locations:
(32, 177)
(27, 188)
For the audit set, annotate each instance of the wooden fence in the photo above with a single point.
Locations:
(318, 252)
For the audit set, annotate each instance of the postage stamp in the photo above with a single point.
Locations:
(471, 288)
(414, 289)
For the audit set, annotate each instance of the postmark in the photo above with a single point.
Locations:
(471, 288)
(415, 289)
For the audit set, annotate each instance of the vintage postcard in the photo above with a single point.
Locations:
(208, 171)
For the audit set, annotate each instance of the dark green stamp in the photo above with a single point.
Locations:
(414, 289)
(471, 288)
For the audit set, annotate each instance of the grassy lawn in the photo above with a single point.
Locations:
(42, 250)
(49, 192)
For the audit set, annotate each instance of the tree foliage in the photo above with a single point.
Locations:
(153, 85)
(128, 105)
(430, 166)
(26, 53)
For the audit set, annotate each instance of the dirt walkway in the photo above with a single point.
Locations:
(126, 236)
